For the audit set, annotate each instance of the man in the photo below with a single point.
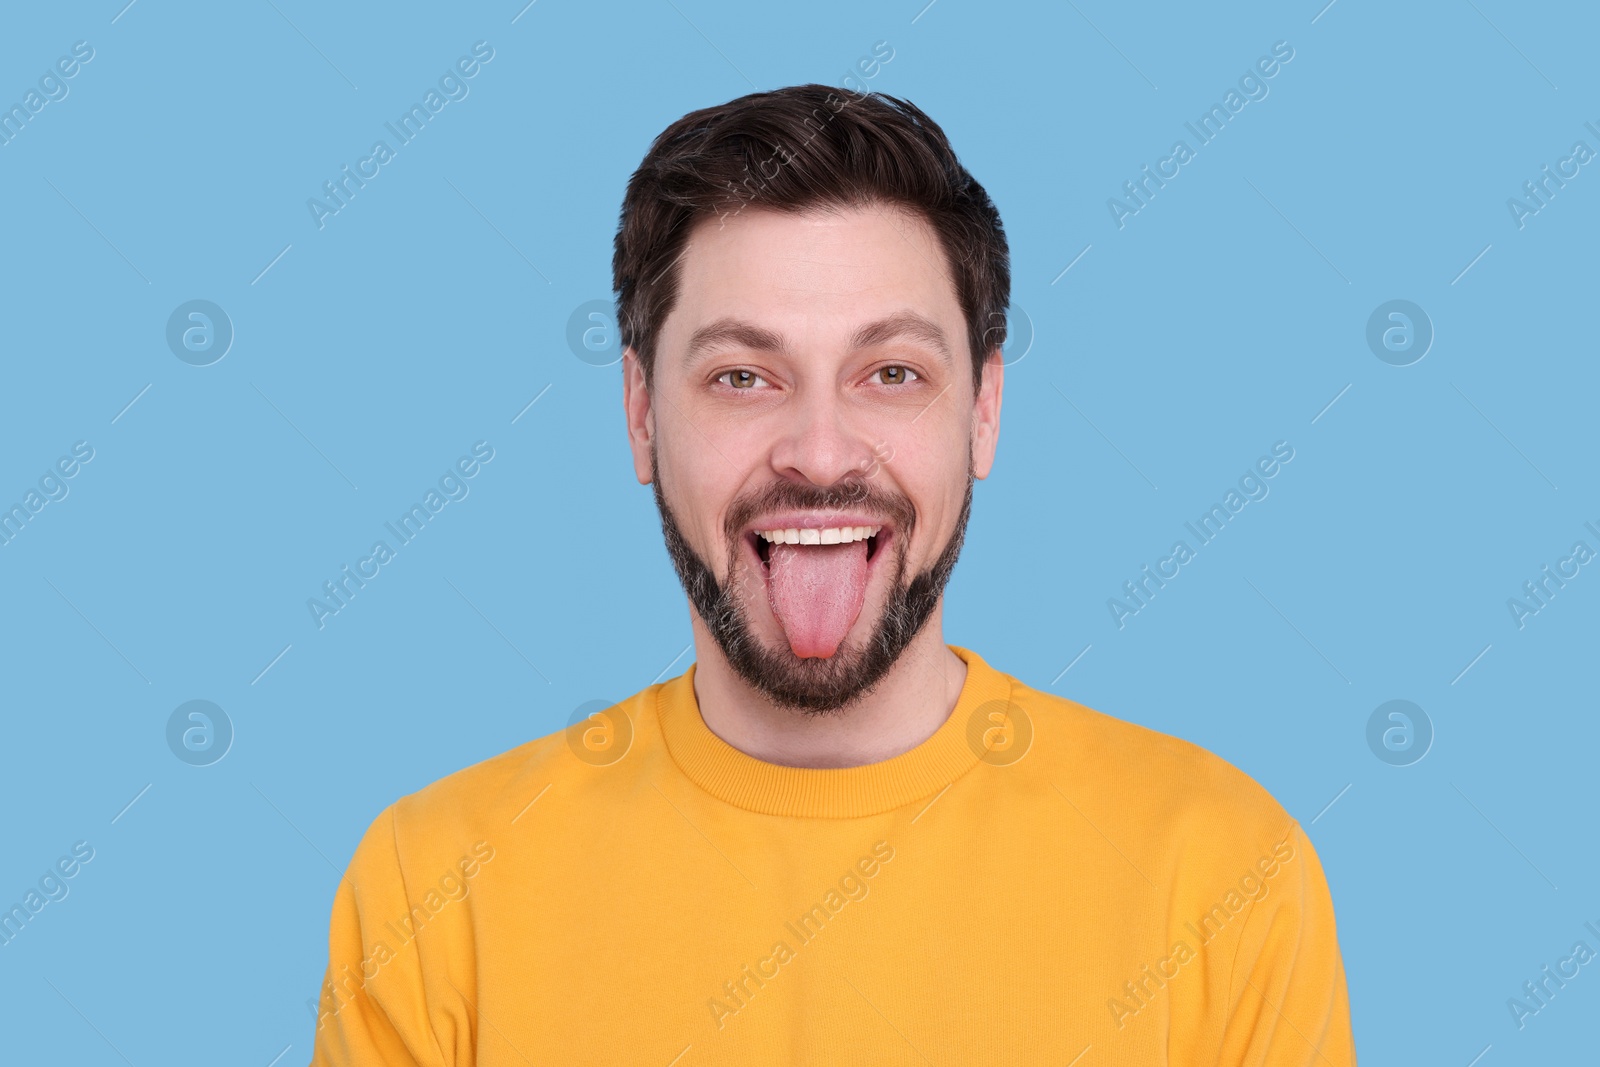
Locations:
(834, 839)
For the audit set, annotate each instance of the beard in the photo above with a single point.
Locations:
(815, 685)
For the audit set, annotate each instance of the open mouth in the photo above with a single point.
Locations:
(809, 535)
(816, 578)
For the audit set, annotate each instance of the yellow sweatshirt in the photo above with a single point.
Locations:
(1036, 883)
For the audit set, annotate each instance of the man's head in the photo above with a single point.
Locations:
(811, 296)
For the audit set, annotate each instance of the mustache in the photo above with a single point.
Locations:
(852, 496)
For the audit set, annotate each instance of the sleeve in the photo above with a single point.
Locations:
(373, 1012)
(1287, 1000)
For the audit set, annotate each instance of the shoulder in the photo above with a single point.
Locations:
(482, 806)
(475, 797)
(1173, 795)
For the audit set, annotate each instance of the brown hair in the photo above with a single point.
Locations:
(795, 149)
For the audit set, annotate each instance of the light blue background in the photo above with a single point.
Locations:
(1225, 316)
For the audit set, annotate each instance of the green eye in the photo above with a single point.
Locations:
(896, 375)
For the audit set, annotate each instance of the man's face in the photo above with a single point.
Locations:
(814, 382)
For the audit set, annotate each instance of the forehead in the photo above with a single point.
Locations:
(812, 274)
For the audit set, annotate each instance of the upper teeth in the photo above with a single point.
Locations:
(831, 535)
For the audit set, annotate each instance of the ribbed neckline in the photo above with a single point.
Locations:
(826, 792)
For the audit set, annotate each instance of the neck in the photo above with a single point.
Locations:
(903, 710)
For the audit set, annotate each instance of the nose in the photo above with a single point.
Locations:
(821, 441)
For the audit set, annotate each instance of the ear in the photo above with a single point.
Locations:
(640, 415)
(986, 415)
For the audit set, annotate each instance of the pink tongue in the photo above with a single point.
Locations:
(816, 591)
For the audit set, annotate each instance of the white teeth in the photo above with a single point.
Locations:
(829, 535)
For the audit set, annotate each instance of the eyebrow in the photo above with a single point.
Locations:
(908, 324)
(734, 333)
(740, 333)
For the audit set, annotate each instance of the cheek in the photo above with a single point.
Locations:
(931, 470)
(699, 484)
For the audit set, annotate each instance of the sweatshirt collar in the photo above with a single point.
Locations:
(827, 792)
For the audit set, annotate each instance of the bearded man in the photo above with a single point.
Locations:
(834, 839)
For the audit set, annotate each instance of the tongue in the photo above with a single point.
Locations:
(816, 591)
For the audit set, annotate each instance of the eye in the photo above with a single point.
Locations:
(741, 379)
(896, 375)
